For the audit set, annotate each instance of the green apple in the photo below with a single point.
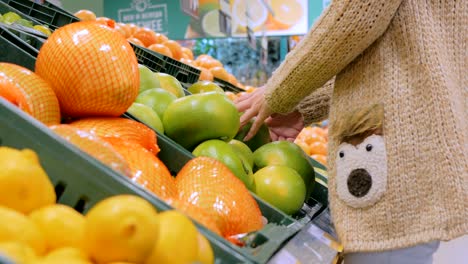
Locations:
(203, 87)
(147, 79)
(146, 115)
(223, 152)
(170, 84)
(282, 187)
(156, 98)
(243, 150)
(24, 22)
(11, 17)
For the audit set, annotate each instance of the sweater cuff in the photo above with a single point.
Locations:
(315, 107)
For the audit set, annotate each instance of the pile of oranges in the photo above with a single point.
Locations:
(313, 140)
(145, 37)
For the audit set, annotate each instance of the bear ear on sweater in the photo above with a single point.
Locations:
(361, 159)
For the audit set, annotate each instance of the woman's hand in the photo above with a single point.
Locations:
(285, 127)
(253, 105)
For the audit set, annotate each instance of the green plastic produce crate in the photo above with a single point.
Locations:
(228, 87)
(264, 243)
(57, 8)
(80, 180)
(19, 47)
(160, 63)
(46, 15)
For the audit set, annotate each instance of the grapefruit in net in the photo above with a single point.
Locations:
(92, 69)
(29, 92)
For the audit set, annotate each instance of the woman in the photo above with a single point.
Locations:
(398, 143)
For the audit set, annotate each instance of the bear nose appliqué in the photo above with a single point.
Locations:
(359, 182)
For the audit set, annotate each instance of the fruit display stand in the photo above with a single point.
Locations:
(19, 47)
(226, 86)
(46, 15)
(81, 181)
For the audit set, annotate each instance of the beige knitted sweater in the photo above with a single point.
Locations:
(406, 183)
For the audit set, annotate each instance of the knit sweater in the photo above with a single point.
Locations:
(408, 56)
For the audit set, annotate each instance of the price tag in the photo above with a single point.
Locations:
(190, 7)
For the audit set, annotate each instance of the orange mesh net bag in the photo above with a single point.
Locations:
(121, 128)
(94, 146)
(92, 69)
(208, 184)
(29, 92)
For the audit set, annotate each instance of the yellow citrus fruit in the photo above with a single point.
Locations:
(177, 241)
(61, 225)
(18, 227)
(121, 228)
(24, 185)
(17, 252)
(85, 15)
(61, 261)
(205, 252)
(43, 29)
(67, 253)
(257, 12)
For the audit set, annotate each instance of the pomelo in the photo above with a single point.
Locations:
(204, 86)
(170, 84)
(156, 98)
(261, 138)
(146, 115)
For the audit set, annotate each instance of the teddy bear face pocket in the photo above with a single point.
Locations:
(361, 171)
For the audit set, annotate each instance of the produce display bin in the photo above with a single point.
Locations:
(46, 15)
(57, 8)
(19, 47)
(160, 63)
(80, 180)
(267, 241)
(227, 87)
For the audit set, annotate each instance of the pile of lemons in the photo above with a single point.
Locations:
(119, 229)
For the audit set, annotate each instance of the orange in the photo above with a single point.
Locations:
(203, 56)
(29, 92)
(205, 75)
(175, 48)
(318, 148)
(287, 14)
(147, 170)
(120, 128)
(94, 146)
(161, 49)
(320, 158)
(231, 95)
(160, 38)
(220, 73)
(95, 74)
(85, 15)
(146, 36)
(207, 183)
(132, 28)
(318, 130)
(184, 56)
(122, 29)
(209, 63)
(313, 137)
(232, 79)
(304, 146)
(249, 89)
(188, 52)
(188, 62)
(136, 41)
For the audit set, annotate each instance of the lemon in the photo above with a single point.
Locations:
(205, 252)
(177, 242)
(43, 29)
(18, 227)
(17, 252)
(61, 225)
(257, 12)
(121, 228)
(67, 253)
(24, 185)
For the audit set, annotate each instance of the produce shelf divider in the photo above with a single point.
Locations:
(46, 15)
(228, 87)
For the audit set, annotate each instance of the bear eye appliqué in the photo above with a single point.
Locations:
(341, 154)
(369, 147)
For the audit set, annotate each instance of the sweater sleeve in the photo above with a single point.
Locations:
(343, 32)
(316, 106)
